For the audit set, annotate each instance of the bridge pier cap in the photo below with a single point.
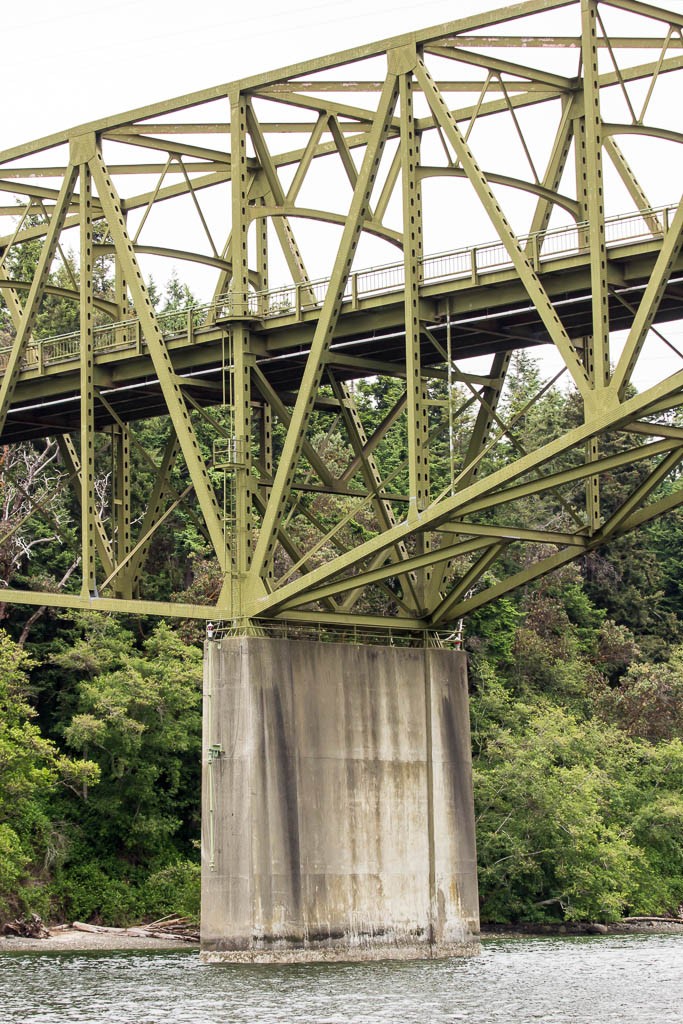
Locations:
(337, 803)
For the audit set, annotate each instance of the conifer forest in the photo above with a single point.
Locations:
(576, 696)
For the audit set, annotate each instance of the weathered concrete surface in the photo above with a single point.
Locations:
(337, 816)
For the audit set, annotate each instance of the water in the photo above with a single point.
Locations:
(594, 980)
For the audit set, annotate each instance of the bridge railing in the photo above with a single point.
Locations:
(471, 262)
(325, 633)
(460, 263)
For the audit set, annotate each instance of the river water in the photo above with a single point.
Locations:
(593, 980)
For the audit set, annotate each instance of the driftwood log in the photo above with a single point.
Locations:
(156, 930)
(29, 927)
(662, 920)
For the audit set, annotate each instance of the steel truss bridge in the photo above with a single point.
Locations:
(511, 188)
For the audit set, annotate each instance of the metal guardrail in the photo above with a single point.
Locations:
(472, 262)
(320, 633)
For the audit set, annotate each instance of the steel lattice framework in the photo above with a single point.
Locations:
(558, 147)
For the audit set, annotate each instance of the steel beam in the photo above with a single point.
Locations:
(87, 368)
(161, 359)
(530, 286)
(592, 198)
(488, 200)
(326, 326)
(649, 304)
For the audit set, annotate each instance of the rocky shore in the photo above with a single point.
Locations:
(628, 926)
(67, 938)
(79, 937)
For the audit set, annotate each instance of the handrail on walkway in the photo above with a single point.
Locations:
(471, 262)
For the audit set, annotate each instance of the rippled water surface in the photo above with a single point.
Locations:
(628, 979)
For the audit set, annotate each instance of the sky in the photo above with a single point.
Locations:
(77, 60)
(66, 62)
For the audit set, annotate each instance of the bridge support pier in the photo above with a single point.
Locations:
(337, 803)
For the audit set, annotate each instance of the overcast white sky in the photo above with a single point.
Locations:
(72, 61)
(66, 62)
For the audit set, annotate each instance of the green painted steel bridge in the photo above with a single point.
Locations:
(417, 210)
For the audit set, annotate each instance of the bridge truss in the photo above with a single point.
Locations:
(411, 155)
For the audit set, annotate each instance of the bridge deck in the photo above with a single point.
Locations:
(476, 287)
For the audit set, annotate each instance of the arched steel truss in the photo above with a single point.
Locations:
(282, 187)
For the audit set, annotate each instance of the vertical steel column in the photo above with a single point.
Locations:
(592, 485)
(262, 249)
(417, 407)
(87, 374)
(121, 298)
(581, 171)
(239, 286)
(121, 501)
(121, 290)
(243, 532)
(591, 197)
(418, 427)
(266, 441)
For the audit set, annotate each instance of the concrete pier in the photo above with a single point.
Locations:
(337, 803)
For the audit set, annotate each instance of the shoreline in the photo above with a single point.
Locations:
(64, 938)
(648, 926)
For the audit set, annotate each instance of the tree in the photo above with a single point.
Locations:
(31, 770)
(138, 716)
(570, 826)
(648, 702)
(34, 513)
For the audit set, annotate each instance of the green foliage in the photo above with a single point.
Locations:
(574, 820)
(113, 892)
(577, 745)
(577, 706)
(577, 714)
(138, 715)
(31, 769)
(494, 628)
(665, 538)
(105, 890)
(548, 847)
(174, 889)
(648, 702)
(110, 836)
(657, 827)
(14, 861)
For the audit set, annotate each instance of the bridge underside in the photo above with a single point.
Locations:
(368, 343)
(508, 179)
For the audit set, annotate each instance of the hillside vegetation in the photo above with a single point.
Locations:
(576, 707)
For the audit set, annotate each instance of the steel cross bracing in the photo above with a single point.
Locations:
(513, 181)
